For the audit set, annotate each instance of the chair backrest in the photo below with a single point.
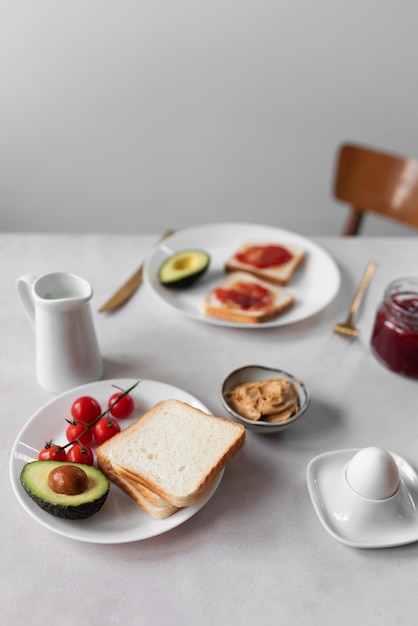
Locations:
(369, 180)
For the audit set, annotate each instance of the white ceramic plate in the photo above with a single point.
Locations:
(356, 521)
(120, 520)
(313, 286)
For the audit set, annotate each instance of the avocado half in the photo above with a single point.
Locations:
(34, 479)
(183, 268)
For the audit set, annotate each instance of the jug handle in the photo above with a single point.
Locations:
(24, 288)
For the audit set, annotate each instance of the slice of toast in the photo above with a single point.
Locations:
(174, 450)
(256, 257)
(151, 503)
(246, 299)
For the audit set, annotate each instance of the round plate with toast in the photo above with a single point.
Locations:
(120, 520)
(313, 286)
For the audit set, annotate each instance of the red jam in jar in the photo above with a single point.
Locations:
(395, 334)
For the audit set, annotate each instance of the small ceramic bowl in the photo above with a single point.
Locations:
(251, 373)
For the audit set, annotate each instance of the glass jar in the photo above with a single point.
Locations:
(395, 334)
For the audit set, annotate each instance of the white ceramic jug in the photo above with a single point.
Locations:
(58, 307)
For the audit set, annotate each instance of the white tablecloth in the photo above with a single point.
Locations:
(257, 553)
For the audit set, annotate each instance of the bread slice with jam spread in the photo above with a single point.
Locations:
(246, 299)
(274, 262)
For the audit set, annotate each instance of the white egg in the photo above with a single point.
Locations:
(373, 473)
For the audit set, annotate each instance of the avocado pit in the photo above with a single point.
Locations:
(68, 479)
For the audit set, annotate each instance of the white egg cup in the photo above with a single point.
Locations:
(366, 498)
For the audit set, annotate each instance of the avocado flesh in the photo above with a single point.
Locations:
(183, 268)
(34, 479)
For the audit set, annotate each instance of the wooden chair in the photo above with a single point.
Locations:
(369, 180)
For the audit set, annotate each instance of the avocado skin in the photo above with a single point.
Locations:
(82, 506)
(183, 268)
(82, 511)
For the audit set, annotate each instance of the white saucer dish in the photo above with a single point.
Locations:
(120, 520)
(357, 521)
(313, 286)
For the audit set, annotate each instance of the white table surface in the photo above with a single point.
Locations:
(257, 553)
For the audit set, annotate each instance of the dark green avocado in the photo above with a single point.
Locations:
(34, 479)
(183, 268)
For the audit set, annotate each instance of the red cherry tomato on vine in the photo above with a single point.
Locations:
(80, 454)
(85, 409)
(123, 408)
(76, 431)
(105, 428)
(51, 452)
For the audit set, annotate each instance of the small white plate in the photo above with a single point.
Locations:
(120, 520)
(356, 521)
(313, 286)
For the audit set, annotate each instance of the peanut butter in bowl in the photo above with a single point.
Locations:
(274, 400)
(264, 399)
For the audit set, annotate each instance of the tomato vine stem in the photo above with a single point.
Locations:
(105, 413)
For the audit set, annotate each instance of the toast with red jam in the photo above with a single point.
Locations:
(273, 262)
(246, 299)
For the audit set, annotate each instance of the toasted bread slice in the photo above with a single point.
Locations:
(156, 506)
(261, 253)
(153, 505)
(246, 299)
(174, 450)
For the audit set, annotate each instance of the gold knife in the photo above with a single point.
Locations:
(123, 294)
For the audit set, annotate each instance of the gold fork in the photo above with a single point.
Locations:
(347, 328)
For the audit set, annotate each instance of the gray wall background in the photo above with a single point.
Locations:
(136, 115)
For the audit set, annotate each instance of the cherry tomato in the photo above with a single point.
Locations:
(123, 408)
(51, 452)
(79, 453)
(75, 430)
(105, 428)
(85, 409)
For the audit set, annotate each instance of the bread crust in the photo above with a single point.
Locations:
(278, 275)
